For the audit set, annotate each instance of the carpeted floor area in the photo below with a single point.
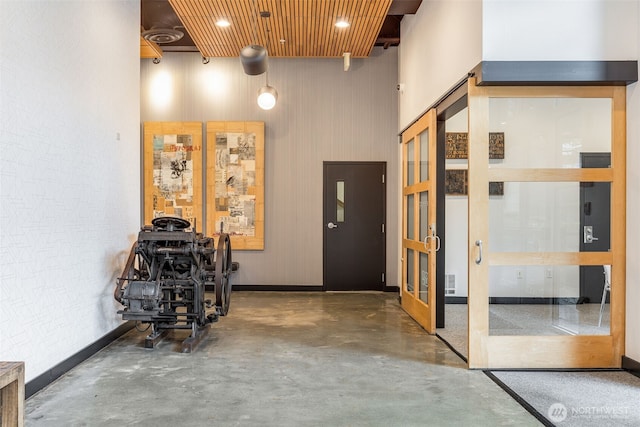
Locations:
(576, 398)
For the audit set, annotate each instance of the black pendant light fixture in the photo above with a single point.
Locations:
(253, 57)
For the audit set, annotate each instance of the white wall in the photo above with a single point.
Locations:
(529, 30)
(323, 114)
(69, 186)
(440, 44)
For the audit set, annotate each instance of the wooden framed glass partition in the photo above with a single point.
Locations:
(524, 241)
(420, 240)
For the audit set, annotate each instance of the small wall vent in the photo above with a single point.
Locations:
(449, 284)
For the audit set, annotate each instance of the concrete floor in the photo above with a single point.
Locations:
(285, 359)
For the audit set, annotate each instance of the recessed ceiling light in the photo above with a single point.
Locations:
(223, 23)
(342, 23)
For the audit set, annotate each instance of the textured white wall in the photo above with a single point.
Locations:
(69, 188)
(440, 44)
(559, 30)
(323, 114)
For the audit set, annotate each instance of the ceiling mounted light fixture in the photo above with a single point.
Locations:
(253, 57)
(223, 23)
(267, 95)
(342, 23)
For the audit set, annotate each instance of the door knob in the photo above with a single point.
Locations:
(332, 225)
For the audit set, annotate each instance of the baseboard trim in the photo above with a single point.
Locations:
(288, 288)
(49, 376)
(630, 365)
(517, 300)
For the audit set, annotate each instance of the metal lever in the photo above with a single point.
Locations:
(479, 245)
(332, 225)
(587, 234)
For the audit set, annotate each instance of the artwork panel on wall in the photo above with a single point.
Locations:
(457, 145)
(496, 145)
(235, 182)
(496, 188)
(172, 165)
(455, 182)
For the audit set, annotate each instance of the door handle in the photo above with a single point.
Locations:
(587, 234)
(426, 239)
(437, 239)
(332, 225)
(479, 245)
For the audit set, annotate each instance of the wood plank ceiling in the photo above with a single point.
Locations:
(296, 28)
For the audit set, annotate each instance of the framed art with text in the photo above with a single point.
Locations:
(172, 171)
(235, 182)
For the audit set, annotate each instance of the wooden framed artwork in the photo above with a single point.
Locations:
(172, 164)
(235, 182)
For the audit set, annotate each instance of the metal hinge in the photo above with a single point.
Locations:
(383, 178)
(382, 277)
(383, 228)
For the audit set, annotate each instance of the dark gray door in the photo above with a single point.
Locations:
(595, 229)
(354, 221)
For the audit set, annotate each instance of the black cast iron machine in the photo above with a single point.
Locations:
(164, 280)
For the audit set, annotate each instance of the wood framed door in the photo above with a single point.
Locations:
(523, 245)
(420, 240)
(354, 215)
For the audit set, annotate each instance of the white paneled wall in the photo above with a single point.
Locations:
(69, 172)
(323, 114)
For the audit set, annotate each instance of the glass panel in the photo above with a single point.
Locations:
(424, 155)
(550, 217)
(547, 132)
(424, 277)
(410, 271)
(547, 300)
(424, 215)
(340, 201)
(410, 218)
(410, 163)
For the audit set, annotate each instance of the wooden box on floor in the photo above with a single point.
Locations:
(11, 394)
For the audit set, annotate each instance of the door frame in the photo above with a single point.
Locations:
(588, 274)
(583, 351)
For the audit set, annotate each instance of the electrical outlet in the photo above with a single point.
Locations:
(549, 274)
(519, 275)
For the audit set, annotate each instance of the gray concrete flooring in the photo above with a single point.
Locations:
(283, 359)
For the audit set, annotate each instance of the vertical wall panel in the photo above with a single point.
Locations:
(323, 114)
(69, 172)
